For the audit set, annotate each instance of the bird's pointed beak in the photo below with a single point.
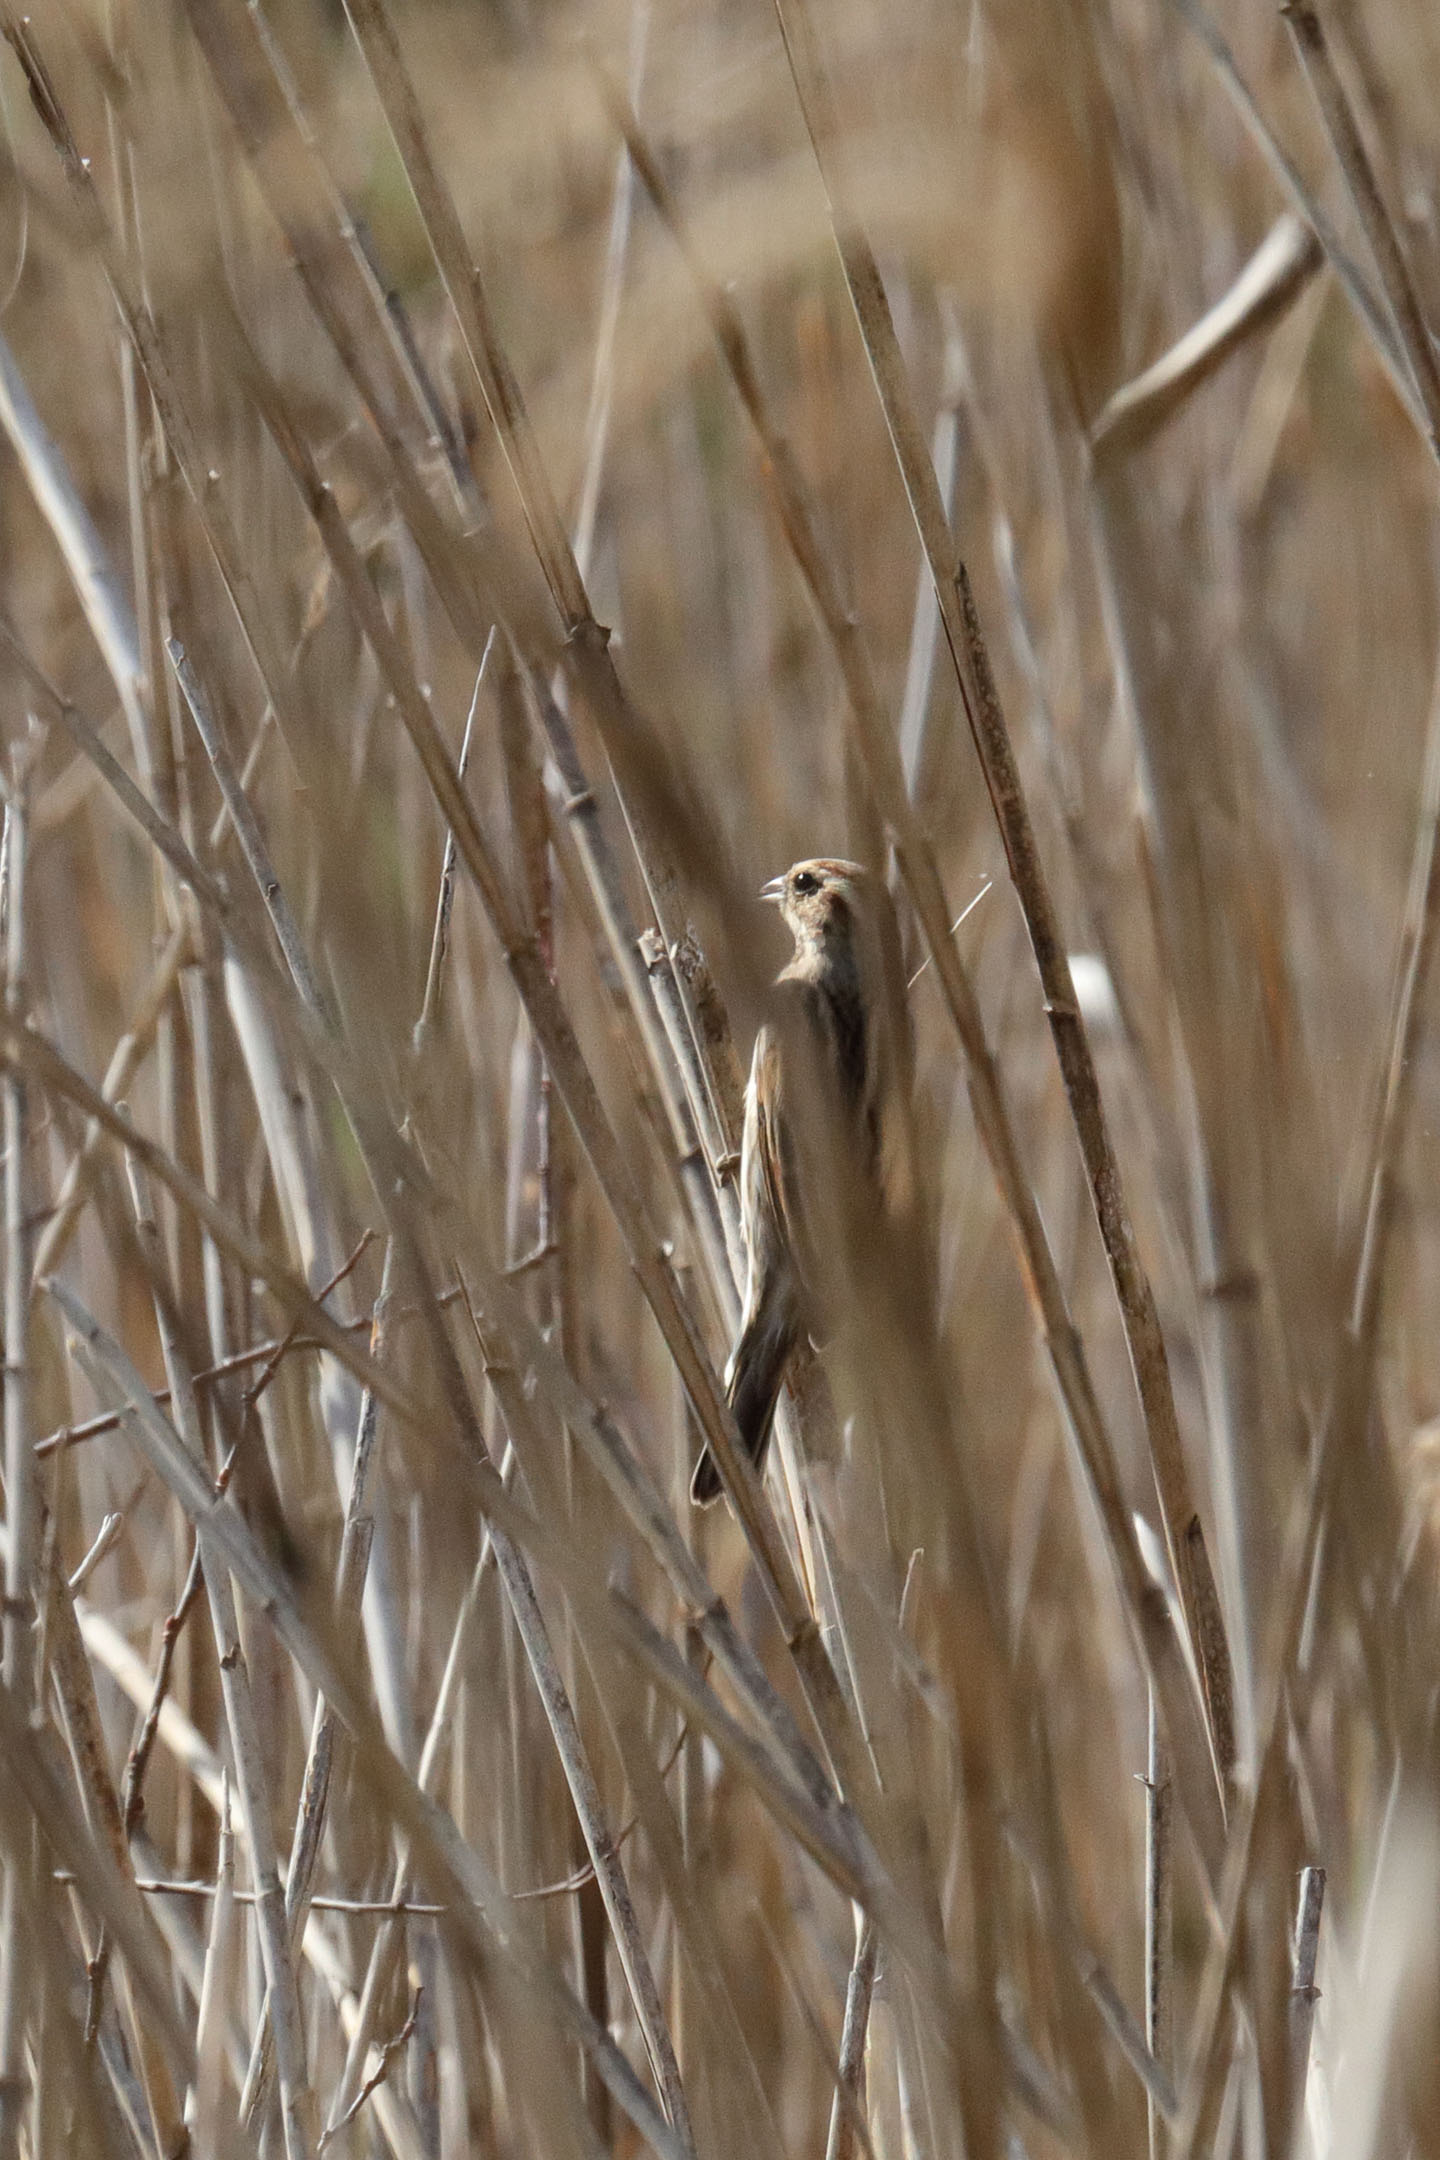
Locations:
(774, 891)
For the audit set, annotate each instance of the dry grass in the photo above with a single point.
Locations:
(391, 1760)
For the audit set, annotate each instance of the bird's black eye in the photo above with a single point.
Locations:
(806, 882)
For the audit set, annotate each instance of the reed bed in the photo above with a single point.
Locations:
(484, 488)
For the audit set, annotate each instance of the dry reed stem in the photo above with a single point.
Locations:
(1349, 147)
(846, 2111)
(1276, 274)
(600, 1842)
(1303, 1991)
(1159, 1919)
(100, 593)
(80, 1715)
(252, 1785)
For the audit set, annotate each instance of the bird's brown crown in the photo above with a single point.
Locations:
(815, 897)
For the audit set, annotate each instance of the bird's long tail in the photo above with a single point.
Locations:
(753, 1383)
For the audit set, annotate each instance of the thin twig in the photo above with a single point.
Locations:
(138, 1760)
(1349, 147)
(261, 1353)
(1159, 1918)
(1276, 274)
(1367, 304)
(392, 2047)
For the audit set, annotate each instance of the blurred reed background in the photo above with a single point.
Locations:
(999, 442)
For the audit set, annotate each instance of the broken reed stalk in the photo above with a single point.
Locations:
(1147, 1612)
(1184, 1534)
(1159, 1919)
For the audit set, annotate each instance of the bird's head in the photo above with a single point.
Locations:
(820, 900)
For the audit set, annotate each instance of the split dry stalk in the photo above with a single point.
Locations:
(662, 1046)
(210, 2011)
(1303, 1992)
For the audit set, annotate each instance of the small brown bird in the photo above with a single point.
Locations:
(828, 1137)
